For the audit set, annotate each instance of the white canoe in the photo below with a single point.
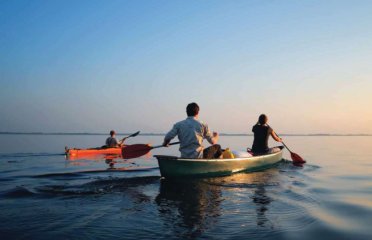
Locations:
(172, 166)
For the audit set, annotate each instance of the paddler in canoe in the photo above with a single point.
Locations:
(262, 131)
(191, 132)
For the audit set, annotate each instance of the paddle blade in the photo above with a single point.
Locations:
(134, 134)
(297, 158)
(135, 150)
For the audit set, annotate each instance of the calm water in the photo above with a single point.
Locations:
(44, 196)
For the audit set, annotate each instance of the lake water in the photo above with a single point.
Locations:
(45, 196)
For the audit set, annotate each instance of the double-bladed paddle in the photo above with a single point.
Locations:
(138, 150)
(132, 135)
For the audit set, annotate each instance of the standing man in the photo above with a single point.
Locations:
(111, 141)
(191, 133)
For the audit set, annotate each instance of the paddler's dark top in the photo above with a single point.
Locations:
(111, 142)
(261, 138)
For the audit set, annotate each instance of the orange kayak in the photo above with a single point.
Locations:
(74, 152)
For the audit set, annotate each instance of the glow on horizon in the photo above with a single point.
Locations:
(91, 66)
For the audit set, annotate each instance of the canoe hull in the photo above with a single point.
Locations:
(171, 166)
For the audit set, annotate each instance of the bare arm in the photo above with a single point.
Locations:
(211, 138)
(215, 138)
(275, 136)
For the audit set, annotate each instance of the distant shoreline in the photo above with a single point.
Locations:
(162, 134)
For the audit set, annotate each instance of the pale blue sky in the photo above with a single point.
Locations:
(92, 66)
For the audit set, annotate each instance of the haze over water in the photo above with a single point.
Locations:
(92, 66)
(43, 195)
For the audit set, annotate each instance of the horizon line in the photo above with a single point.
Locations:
(162, 134)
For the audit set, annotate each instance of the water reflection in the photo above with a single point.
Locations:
(188, 206)
(254, 185)
(94, 157)
(262, 202)
(110, 159)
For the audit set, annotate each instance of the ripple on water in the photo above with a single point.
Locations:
(335, 227)
(319, 190)
(267, 203)
(97, 187)
(356, 177)
(26, 155)
(299, 183)
(17, 192)
(292, 209)
(8, 179)
(63, 176)
(245, 185)
(349, 215)
(97, 171)
(246, 180)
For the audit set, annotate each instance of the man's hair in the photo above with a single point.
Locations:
(262, 119)
(112, 132)
(192, 109)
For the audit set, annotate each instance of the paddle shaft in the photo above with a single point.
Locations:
(132, 135)
(138, 150)
(286, 146)
(295, 157)
(282, 141)
(159, 146)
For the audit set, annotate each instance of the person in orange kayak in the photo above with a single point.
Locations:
(111, 141)
(191, 133)
(262, 131)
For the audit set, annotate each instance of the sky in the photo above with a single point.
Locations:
(93, 66)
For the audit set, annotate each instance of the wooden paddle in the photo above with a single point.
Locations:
(297, 159)
(138, 150)
(132, 135)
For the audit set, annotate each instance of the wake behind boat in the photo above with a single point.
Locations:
(172, 166)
